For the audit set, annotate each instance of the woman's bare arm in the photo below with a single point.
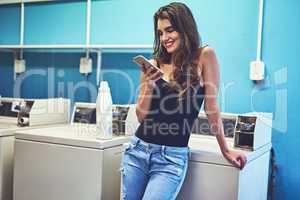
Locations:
(211, 78)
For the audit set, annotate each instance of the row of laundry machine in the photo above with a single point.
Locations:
(44, 155)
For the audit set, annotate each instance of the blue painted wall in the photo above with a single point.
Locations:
(45, 25)
(10, 25)
(230, 27)
(281, 55)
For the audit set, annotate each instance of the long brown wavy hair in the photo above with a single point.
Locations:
(185, 59)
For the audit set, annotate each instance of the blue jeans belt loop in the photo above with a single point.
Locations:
(135, 142)
(146, 147)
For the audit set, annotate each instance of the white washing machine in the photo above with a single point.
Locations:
(6, 158)
(68, 162)
(211, 177)
(9, 124)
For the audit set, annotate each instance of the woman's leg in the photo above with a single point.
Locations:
(167, 173)
(134, 173)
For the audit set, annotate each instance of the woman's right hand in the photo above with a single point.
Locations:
(151, 75)
(148, 78)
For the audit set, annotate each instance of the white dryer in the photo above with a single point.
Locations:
(68, 162)
(211, 177)
(40, 112)
(6, 157)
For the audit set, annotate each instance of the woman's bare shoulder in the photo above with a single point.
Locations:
(206, 53)
(207, 57)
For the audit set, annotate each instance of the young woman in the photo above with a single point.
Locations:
(155, 163)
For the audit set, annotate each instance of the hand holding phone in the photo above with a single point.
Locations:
(142, 61)
(152, 72)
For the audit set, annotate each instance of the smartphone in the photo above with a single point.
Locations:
(140, 60)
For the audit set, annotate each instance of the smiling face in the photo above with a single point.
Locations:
(168, 36)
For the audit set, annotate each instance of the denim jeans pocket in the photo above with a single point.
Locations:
(177, 160)
(176, 163)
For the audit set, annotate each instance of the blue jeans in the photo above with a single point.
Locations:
(153, 172)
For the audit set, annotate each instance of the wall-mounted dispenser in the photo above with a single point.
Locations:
(85, 65)
(257, 67)
(19, 66)
(257, 70)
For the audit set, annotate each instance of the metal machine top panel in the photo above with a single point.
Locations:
(80, 135)
(7, 126)
(206, 149)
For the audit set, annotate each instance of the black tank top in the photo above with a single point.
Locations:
(169, 121)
